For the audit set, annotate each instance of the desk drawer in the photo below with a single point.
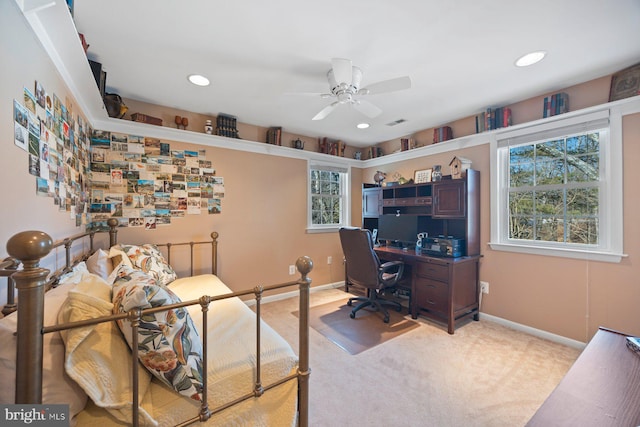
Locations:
(431, 295)
(433, 270)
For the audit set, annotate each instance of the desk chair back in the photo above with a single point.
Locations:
(362, 263)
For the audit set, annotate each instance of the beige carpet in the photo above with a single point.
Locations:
(362, 333)
(485, 375)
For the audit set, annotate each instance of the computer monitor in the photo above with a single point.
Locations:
(399, 230)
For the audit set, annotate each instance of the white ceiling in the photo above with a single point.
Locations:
(459, 55)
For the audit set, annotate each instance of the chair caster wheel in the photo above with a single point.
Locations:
(349, 303)
(352, 315)
(399, 309)
(386, 319)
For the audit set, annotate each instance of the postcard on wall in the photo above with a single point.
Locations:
(34, 165)
(193, 205)
(44, 169)
(116, 177)
(29, 101)
(152, 146)
(214, 206)
(136, 222)
(150, 223)
(21, 120)
(41, 94)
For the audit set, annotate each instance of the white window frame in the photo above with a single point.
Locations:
(610, 242)
(345, 183)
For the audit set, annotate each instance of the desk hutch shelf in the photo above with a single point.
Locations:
(440, 288)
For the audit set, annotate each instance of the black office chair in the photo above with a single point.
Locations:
(363, 268)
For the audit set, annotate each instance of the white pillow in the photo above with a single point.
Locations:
(97, 356)
(57, 387)
(100, 264)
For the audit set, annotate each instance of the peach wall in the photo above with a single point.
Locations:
(262, 224)
(263, 221)
(567, 297)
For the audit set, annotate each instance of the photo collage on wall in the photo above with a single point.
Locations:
(142, 182)
(95, 175)
(57, 144)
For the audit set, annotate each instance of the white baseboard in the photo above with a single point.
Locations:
(533, 331)
(488, 317)
(285, 295)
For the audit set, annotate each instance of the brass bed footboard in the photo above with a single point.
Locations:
(29, 247)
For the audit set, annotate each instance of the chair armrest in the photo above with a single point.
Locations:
(384, 268)
(387, 265)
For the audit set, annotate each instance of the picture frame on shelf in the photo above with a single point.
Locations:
(423, 175)
(625, 83)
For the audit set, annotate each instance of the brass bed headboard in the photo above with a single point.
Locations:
(10, 264)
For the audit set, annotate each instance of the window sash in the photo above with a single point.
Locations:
(327, 195)
(609, 244)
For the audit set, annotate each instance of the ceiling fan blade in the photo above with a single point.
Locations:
(390, 85)
(342, 70)
(367, 108)
(319, 94)
(326, 111)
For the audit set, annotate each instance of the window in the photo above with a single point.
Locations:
(555, 189)
(328, 202)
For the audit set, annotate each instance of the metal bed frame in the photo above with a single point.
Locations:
(31, 281)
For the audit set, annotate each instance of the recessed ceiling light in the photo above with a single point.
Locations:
(362, 125)
(530, 58)
(198, 80)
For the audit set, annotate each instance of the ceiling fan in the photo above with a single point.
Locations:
(344, 85)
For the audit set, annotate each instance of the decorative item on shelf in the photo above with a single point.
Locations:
(459, 166)
(625, 83)
(357, 155)
(208, 127)
(226, 126)
(99, 76)
(423, 175)
(379, 177)
(182, 122)
(493, 118)
(115, 106)
(331, 146)
(436, 175)
(298, 144)
(443, 133)
(555, 104)
(143, 118)
(274, 135)
(406, 144)
(397, 179)
(374, 152)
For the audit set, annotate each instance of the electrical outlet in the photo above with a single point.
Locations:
(292, 270)
(329, 260)
(484, 287)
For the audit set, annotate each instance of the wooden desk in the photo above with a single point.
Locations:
(443, 289)
(602, 388)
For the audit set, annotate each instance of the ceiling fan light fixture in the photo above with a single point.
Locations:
(530, 58)
(198, 80)
(362, 125)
